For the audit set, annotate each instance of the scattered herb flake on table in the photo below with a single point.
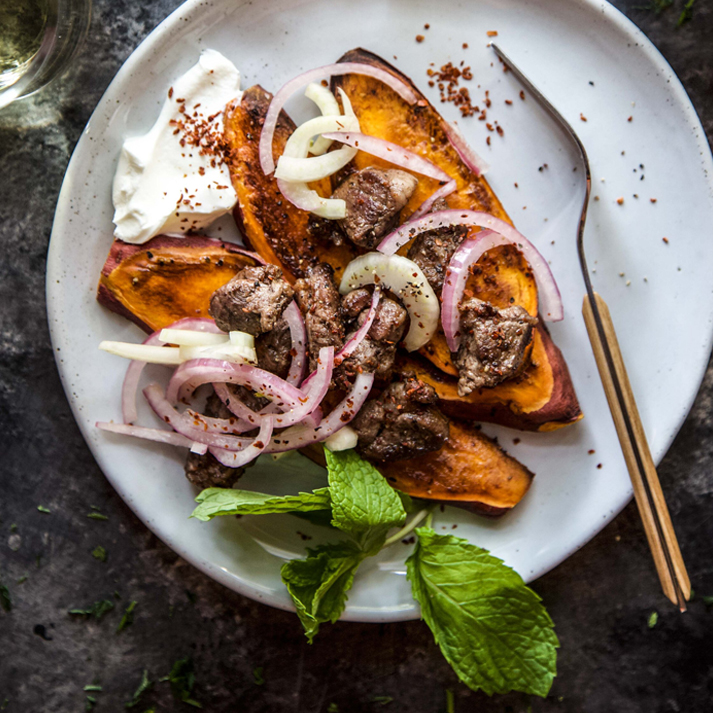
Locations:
(128, 617)
(144, 685)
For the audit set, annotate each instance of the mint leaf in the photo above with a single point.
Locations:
(491, 628)
(99, 553)
(225, 501)
(319, 584)
(363, 503)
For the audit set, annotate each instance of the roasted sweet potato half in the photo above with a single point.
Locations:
(166, 279)
(471, 471)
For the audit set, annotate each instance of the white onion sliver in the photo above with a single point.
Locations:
(152, 434)
(298, 335)
(328, 105)
(471, 159)
(149, 354)
(550, 299)
(191, 337)
(278, 101)
(314, 168)
(242, 339)
(223, 352)
(405, 278)
(133, 373)
(303, 197)
(342, 440)
(243, 457)
(348, 349)
(298, 144)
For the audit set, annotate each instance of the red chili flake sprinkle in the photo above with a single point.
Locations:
(419, 38)
(599, 465)
(492, 33)
(582, 117)
(516, 186)
(620, 201)
(522, 95)
(665, 240)
(508, 102)
(499, 129)
(591, 451)
(426, 26)
(631, 118)
(516, 441)
(465, 45)
(170, 92)
(653, 200)
(487, 140)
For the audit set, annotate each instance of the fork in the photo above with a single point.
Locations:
(610, 363)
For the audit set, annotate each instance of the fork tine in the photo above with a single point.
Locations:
(647, 488)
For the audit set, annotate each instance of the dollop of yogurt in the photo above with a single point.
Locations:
(173, 179)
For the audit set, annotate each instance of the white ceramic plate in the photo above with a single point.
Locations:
(589, 60)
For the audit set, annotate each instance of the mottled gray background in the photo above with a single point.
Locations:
(600, 598)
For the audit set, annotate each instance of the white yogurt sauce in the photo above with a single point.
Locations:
(173, 179)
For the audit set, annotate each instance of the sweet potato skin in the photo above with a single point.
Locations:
(166, 279)
(270, 224)
(471, 471)
(542, 398)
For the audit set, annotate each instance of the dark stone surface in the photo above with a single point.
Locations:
(600, 598)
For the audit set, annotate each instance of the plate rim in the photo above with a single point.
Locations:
(214, 571)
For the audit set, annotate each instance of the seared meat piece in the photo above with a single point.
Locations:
(493, 344)
(402, 423)
(433, 250)
(205, 471)
(252, 301)
(377, 351)
(273, 349)
(374, 200)
(318, 298)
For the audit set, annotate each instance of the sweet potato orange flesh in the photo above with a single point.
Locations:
(166, 279)
(270, 224)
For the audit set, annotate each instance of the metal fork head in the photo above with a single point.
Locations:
(566, 127)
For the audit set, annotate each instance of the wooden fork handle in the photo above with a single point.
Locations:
(651, 507)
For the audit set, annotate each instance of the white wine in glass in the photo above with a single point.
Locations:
(38, 38)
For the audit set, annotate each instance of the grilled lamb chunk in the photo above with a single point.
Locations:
(432, 252)
(252, 301)
(493, 344)
(374, 199)
(402, 423)
(205, 471)
(377, 351)
(273, 349)
(318, 298)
